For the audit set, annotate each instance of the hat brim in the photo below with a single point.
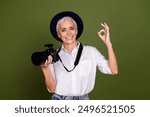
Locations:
(60, 15)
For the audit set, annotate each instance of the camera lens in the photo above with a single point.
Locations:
(38, 58)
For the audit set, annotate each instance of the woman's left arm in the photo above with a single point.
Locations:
(104, 35)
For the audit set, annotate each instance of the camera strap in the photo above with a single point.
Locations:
(77, 58)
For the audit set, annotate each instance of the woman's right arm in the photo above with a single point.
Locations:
(49, 80)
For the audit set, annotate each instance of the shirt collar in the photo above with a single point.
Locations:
(74, 50)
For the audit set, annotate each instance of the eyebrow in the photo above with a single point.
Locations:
(69, 27)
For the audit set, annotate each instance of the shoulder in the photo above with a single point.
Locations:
(90, 48)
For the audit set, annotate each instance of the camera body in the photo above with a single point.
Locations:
(39, 58)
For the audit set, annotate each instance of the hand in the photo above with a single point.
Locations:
(47, 62)
(104, 33)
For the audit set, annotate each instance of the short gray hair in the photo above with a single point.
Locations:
(63, 19)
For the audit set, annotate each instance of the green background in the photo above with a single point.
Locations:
(24, 28)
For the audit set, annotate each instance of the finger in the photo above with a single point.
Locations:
(103, 25)
(44, 65)
(99, 34)
(102, 31)
(49, 60)
(46, 62)
(106, 25)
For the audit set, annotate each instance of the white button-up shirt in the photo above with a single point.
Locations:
(81, 80)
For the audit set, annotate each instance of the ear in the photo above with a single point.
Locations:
(58, 35)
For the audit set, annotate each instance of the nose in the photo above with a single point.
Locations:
(68, 32)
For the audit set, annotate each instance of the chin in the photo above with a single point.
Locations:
(70, 41)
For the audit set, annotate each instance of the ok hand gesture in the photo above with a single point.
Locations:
(104, 33)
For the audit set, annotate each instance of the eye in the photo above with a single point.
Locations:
(63, 30)
(72, 28)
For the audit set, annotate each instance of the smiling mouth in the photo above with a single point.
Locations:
(69, 38)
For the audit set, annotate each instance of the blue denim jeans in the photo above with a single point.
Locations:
(61, 97)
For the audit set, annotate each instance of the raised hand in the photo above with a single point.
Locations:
(104, 34)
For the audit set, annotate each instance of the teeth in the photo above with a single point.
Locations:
(69, 38)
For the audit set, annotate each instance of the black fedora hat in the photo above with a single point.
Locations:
(60, 15)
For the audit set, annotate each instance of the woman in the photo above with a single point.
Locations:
(73, 76)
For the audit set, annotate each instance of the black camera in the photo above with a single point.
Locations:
(39, 58)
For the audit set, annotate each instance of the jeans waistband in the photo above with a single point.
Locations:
(62, 97)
